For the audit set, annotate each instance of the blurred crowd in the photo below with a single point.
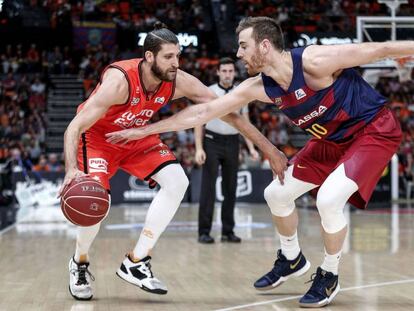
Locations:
(316, 15)
(181, 14)
(25, 71)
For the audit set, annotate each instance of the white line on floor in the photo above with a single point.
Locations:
(296, 297)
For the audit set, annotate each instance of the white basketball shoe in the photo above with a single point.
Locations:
(80, 280)
(140, 274)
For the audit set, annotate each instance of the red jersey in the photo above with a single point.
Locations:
(139, 107)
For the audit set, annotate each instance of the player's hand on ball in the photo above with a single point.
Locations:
(125, 136)
(69, 176)
(278, 163)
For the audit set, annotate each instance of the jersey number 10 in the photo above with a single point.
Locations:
(317, 130)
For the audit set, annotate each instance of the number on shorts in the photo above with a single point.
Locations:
(317, 130)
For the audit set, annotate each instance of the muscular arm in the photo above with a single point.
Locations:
(224, 107)
(196, 115)
(322, 61)
(113, 91)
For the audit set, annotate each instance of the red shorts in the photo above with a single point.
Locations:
(142, 158)
(364, 156)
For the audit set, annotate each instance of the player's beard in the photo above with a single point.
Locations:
(167, 75)
(256, 63)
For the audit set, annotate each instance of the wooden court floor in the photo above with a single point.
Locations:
(376, 273)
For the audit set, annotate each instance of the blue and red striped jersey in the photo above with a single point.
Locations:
(333, 113)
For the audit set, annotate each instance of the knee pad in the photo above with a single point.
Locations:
(331, 210)
(180, 184)
(172, 179)
(332, 197)
(281, 202)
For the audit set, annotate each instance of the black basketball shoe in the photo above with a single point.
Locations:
(140, 274)
(283, 269)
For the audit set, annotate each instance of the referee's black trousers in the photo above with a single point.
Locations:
(221, 150)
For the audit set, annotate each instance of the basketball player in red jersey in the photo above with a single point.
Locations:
(354, 138)
(129, 94)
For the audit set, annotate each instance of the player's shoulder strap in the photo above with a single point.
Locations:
(298, 79)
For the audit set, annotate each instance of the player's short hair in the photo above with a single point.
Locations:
(159, 36)
(225, 61)
(263, 28)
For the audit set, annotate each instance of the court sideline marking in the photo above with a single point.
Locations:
(299, 296)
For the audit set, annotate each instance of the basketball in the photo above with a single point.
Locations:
(85, 202)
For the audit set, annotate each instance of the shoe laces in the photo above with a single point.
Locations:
(320, 281)
(82, 270)
(279, 262)
(146, 268)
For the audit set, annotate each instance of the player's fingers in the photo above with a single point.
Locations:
(112, 134)
(281, 176)
(114, 139)
(110, 137)
(199, 160)
(64, 184)
(59, 192)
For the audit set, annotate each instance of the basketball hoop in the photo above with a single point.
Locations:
(404, 67)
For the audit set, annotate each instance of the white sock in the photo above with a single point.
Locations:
(290, 246)
(84, 240)
(331, 262)
(174, 183)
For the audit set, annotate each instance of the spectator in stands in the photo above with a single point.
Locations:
(54, 164)
(33, 59)
(38, 87)
(42, 165)
(19, 162)
(9, 86)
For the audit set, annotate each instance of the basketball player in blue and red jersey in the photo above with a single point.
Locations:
(354, 138)
(129, 93)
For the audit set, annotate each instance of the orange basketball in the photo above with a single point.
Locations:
(85, 202)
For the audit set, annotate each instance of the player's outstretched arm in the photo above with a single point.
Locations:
(187, 118)
(195, 115)
(323, 60)
(113, 91)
